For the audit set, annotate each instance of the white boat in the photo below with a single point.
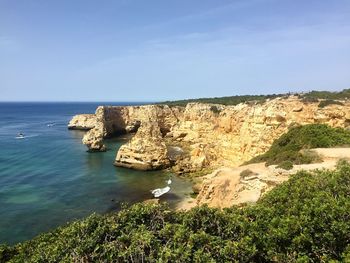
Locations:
(160, 191)
(20, 136)
(169, 181)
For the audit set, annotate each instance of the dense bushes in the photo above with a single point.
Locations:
(290, 145)
(306, 219)
(312, 96)
(328, 95)
(326, 103)
(286, 165)
(231, 100)
(246, 173)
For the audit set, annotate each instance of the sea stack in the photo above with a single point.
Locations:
(146, 150)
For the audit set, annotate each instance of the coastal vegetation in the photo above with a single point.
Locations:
(286, 165)
(312, 96)
(229, 100)
(292, 147)
(326, 103)
(305, 219)
(328, 95)
(245, 173)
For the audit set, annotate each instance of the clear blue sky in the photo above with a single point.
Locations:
(128, 50)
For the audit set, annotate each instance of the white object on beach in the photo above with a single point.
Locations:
(169, 181)
(160, 191)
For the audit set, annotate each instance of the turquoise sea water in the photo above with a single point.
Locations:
(48, 178)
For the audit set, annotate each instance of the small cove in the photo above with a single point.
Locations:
(48, 178)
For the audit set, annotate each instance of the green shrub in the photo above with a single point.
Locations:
(286, 165)
(290, 146)
(231, 100)
(312, 96)
(305, 219)
(309, 99)
(342, 163)
(326, 103)
(328, 95)
(246, 173)
(215, 109)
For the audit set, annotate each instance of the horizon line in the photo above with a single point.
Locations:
(168, 100)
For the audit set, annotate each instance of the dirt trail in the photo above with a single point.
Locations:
(226, 186)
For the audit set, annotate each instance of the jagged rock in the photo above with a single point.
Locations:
(297, 109)
(145, 151)
(246, 184)
(235, 134)
(82, 122)
(93, 139)
(226, 187)
(216, 135)
(114, 120)
(133, 126)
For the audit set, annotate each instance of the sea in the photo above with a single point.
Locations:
(48, 178)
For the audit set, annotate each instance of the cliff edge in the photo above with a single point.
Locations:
(211, 135)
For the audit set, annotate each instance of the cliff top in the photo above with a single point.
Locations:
(234, 100)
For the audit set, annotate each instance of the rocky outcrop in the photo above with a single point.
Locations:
(213, 136)
(202, 137)
(146, 150)
(230, 135)
(93, 139)
(229, 186)
(246, 184)
(82, 122)
(115, 120)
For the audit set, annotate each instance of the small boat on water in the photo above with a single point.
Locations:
(160, 191)
(20, 136)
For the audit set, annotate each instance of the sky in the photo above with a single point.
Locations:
(154, 50)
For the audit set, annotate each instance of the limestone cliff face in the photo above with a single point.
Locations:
(146, 150)
(215, 135)
(82, 122)
(114, 120)
(246, 184)
(230, 135)
(226, 186)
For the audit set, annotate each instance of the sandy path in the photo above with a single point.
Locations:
(226, 187)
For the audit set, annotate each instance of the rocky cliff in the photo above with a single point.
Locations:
(146, 150)
(116, 120)
(210, 135)
(82, 122)
(246, 184)
(230, 135)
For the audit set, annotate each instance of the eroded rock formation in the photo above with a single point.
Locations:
(146, 150)
(114, 120)
(215, 135)
(82, 122)
(246, 184)
(230, 135)
(203, 137)
(227, 186)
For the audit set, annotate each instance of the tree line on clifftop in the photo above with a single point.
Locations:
(306, 219)
(312, 96)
